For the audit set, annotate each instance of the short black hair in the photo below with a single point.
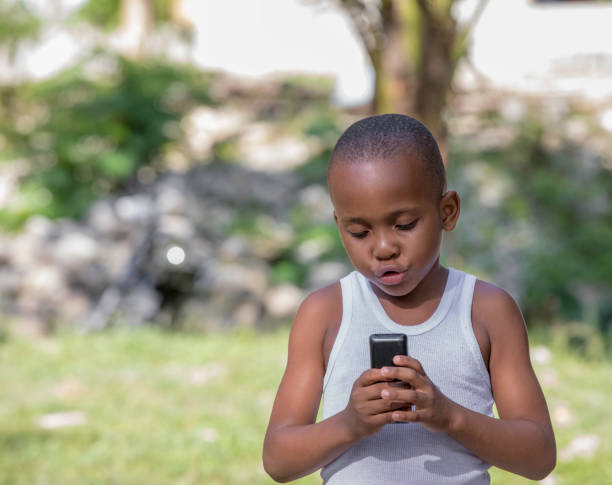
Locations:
(387, 136)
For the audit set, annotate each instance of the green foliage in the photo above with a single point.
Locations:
(537, 214)
(102, 13)
(105, 13)
(84, 137)
(287, 270)
(17, 23)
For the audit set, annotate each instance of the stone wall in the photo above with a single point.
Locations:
(166, 253)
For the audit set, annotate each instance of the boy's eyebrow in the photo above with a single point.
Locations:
(391, 215)
(354, 220)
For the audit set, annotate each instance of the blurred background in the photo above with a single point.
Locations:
(163, 210)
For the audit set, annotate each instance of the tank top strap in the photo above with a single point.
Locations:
(464, 309)
(465, 296)
(348, 285)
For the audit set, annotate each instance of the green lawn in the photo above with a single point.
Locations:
(158, 408)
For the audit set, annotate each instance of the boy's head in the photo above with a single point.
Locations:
(387, 183)
(390, 136)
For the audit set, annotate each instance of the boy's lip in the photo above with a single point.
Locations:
(390, 275)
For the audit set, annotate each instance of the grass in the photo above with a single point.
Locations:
(161, 408)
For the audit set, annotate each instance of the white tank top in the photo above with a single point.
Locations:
(445, 345)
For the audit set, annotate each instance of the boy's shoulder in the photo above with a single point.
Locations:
(323, 305)
(491, 300)
(495, 312)
(496, 320)
(318, 319)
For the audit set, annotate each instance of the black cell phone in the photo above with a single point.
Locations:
(385, 346)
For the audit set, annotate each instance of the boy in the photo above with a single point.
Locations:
(467, 342)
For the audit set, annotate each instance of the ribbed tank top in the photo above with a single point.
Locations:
(446, 347)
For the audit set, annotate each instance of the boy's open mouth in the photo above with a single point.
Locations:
(391, 277)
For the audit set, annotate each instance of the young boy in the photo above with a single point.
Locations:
(467, 341)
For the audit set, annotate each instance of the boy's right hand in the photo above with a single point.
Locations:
(366, 412)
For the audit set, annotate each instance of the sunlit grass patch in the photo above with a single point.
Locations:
(146, 406)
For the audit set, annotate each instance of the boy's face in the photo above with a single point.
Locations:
(390, 220)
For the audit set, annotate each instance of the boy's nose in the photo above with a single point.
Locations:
(385, 248)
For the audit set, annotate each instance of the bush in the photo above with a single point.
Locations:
(537, 218)
(84, 135)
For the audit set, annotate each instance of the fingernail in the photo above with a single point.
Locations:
(397, 359)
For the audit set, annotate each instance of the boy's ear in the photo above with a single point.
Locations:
(450, 207)
(335, 218)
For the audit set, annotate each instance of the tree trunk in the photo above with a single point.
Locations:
(414, 61)
(135, 25)
(395, 74)
(436, 71)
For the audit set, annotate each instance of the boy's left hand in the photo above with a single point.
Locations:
(431, 408)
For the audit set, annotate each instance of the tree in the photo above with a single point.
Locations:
(134, 20)
(17, 24)
(414, 47)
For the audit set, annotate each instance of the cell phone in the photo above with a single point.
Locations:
(385, 346)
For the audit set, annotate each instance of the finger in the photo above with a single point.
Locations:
(384, 406)
(406, 374)
(374, 407)
(408, 397)
(382, 418)
(407, 361)
(371, 392)
(406, 416)
(371, 376)
(395, 394)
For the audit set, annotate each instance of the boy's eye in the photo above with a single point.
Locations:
(359, 235)
(407, 227)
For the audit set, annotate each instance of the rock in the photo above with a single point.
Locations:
(29, 326)
(233, 278)
(605, 119)
(61, 420)
(283, 300)
(161, 251)
(103, 219)
(233, 248)
(47, 284)
(562, 415)
(316, 199)
(39, 227)
(74, 309)
(74, 250)
(208, 435)
(310, 250)
(28, 252)
(134, 208)
(582, 446)
(541, 355)
(199, 315)
(170, 196)
(178, 227)
(204, 126)
(247, 314)
(324, 274)
(9, 282)
(262, 148)
(140, 305)
(513, 109)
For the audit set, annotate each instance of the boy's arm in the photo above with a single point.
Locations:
(522, 440)
(295, 445)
